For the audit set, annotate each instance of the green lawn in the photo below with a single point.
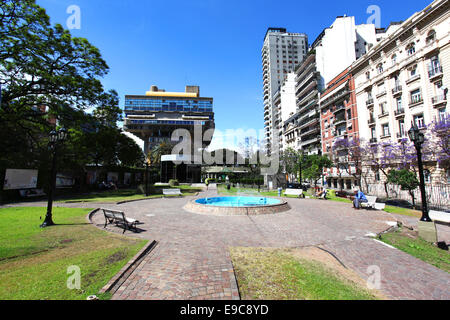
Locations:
(418, 248)
(125, 195)
(34, 261)
(274, 274)
(403, 211)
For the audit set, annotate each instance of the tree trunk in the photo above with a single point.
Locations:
(413, 198)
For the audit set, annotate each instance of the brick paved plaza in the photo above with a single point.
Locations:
(192, 260)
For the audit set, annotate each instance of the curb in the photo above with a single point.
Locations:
(162, 197)
(113, 285)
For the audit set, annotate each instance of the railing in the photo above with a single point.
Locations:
(438, 99)
(373, 140)
(397, 89)
(384, 114)
(369, 102)
(399, 112)
(434, 71)
(416, 100)
(371, 121)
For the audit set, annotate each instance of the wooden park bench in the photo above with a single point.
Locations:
(373, 204)
(119, 218)
(293, 192)
(172, 192)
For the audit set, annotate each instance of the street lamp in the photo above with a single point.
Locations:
(147, 165)
(418, 138)
(55, 139)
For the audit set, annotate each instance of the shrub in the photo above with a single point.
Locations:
(173, 183)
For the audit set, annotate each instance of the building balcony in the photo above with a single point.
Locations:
(399, 112)
(369, 103)
(339, 108)
(371, 121)
(415, 101)
(381, 93)
(435, 72)
(397, 90)
(413, 78)
(373, 140)
(439, 100)
(384, 114)
(402, 135)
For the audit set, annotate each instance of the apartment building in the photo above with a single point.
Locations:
(404, 79)
(281, 53)
(338, 46)
(339, 120)
(286, 105)
(302, 130)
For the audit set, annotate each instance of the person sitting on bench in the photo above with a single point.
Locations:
(358, 199)
(322, 193)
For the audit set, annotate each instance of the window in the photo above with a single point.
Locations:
(411, 49)
(448, 175)
(377, 176)
(380, 68)
(373, 133)
(368, 75)
(401, 125)
(442, 114)
(382, 108)
(431, 36)
(386, 131)
(413, 71)
(419, 121)
(399, 104)
(394, 59)
(427, 175)
(416, 96)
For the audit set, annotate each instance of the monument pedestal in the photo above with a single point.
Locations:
(427, 231)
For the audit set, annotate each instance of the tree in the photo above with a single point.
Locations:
(348, 157)
(293, 162)
(439, 137)
(158, 151)
(315, 164)
(406, 179)
(46, 75)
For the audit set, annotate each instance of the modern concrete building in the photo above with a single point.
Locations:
(154, 117)
(338, 46)
(302, 129)
(405, 79)
(285, 105)
(281, 53)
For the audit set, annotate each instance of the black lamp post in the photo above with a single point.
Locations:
(55, 139)
(147, 165)
(418, 138)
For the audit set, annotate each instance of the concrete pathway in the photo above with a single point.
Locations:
(192, 259)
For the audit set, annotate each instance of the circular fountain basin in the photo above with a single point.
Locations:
(232, 206)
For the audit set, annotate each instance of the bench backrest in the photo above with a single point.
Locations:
(371, 199)
(439, 216)
(171, 191)
(293, 191)
(112, 214)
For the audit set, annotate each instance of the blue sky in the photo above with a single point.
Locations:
(215, 44)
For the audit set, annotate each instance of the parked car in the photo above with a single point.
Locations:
(293, 185)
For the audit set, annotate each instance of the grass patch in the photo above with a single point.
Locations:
(403, 211)
(276, 274)
(409, 242)
(34, 261)
(126, 195)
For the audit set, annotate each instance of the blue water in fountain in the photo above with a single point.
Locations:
(238, 201)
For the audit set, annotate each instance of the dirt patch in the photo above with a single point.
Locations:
(116, 257)
(334, 265)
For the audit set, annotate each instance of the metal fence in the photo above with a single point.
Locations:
(438, 195)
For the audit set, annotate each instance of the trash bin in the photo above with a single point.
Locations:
(279, 191)
(228, 186)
